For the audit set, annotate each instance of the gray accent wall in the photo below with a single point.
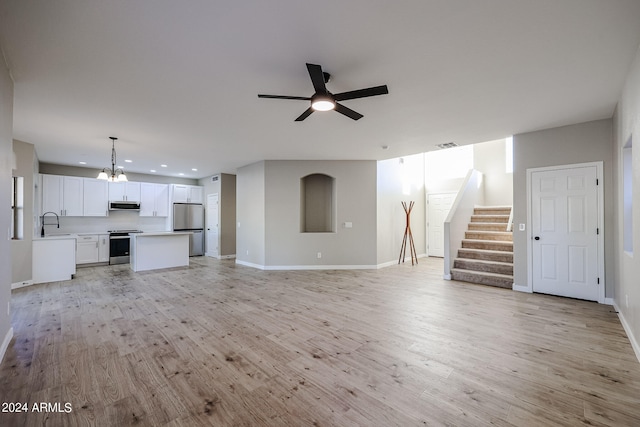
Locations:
(626, 291)
(268, 216)
(580, 143)
(6, 161)
(225, 186)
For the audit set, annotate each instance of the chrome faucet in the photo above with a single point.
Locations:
(57, 224)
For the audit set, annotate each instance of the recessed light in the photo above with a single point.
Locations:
(152, 170)
(83, 163)
(194, 169)
(181, 174)
(120, 167)
(163, 166)
(128, 161)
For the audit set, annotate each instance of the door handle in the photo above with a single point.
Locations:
(537, 238)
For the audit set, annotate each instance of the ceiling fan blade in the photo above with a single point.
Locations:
(301, 98)
(304, 115)
(317, 78)
(362, 93)
(348, 112)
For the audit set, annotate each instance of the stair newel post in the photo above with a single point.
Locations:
(408, 236)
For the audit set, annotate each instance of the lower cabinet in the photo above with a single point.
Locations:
(103, 248)
(87, 249)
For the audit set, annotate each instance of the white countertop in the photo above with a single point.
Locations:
(159, 233)
(53, 236)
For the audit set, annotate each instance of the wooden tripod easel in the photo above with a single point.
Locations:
(407, 233)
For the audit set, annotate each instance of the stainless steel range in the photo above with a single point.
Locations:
(119, 245)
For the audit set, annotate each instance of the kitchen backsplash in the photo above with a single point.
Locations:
(117, 220)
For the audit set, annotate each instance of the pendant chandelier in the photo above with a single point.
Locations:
(112, 174)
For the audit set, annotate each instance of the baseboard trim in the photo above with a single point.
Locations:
(305, 267)
(609, 301)
(226, 256)
(22, 284)
(522, 288)
(5, 343)
(249, 264)
(446, 277)
(395, 262)
(627, 330)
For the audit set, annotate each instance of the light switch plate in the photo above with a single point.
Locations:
(521, 227)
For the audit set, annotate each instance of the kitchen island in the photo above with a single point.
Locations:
(152, 251)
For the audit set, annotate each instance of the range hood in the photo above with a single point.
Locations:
(124, 206)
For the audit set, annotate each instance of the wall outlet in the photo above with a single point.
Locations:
(348, 225)
(626, 300)
(521, 227)
(319, 255)
(247, 251)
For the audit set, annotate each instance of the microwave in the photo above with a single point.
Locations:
(124, 206)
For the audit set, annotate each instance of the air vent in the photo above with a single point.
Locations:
(215, 178)
(447, 145)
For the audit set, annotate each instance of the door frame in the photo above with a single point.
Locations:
(601, 236)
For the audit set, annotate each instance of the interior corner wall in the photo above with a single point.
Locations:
(626, 125)
(6, 166)
(227, 214)
(400, 182)
(490, 159)
(21, 250)
(355, 195)
(210, 187)
(580, 143)
(250, 215)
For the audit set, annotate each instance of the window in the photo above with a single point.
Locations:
(317, 204)
(508, 154)
(627, 197)
(17, 208)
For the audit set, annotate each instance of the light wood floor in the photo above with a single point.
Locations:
(220, 344)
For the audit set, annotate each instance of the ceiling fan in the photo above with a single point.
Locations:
(323, 100)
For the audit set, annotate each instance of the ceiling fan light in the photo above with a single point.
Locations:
(323, 104)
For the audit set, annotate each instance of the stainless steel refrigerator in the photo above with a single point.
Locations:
(190, 217)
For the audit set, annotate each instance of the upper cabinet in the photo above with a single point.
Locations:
(154, 199)
(124, 191)
(187, 193)
(95, 201)
(63, 195)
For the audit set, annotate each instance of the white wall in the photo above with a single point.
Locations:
(21, 252)
(580, 143)
(355, 186)
(397, 182)
(250, 215)
(6, 160)
(627, 267)
(489, 158)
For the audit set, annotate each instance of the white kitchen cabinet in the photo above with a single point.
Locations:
(154, 199)
(63, 195)
(53, 259)
(103, 248)
(124, 191)
(95, 201)
(188, 193)
(87, 249)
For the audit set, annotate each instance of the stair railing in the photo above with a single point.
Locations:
(510, 222)
(470, 195)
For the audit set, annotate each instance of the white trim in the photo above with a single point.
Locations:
(601, 237)
(320, 267)
(446, 276)
(395, 262)
(609, 301)
(521, 288)
(250, 264)
(22, 284)
(5, 343)
(627, 330)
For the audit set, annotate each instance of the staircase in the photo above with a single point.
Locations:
(486, 256)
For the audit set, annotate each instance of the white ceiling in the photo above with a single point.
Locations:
(177, 81)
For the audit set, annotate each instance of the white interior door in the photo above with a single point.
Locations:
(439, 206)
(565, 232)
(212, 225)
